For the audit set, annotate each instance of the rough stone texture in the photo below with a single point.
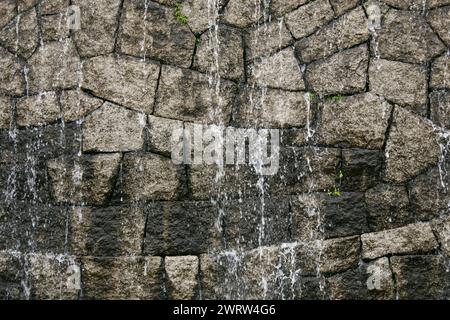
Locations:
(340, 254)
(441, 227)
(440, 108)
(278, 71)
(402, 83)
(342, 6)
(182, 276)
(38, 110)
(129, 278)
(344, 72)
(87, 180)
(345, 32)
(272, 108)
(243, 13)
(150, 177)
(361, 169)
(281, 7)
(395, 35)
(48, 7)
(186, 95)
(439, 19)
(5, 112)
(113, 128)
(125, 81)
(229, 53)
(197, 13)
(266, 38)
(413, 238)
(308, 18)
(156, 33)
(21, 35)
(440, 78)
(55, 27)
(407, 152)
(76, 104)
(7, 12)
(98, 26)
(160, 132)
(11, 78)
(54, 65)
(421, 277)
(358, 121)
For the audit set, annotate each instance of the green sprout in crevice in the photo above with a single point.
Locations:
(312, 97)
(181, 18)
(336, 192)
(335, 98)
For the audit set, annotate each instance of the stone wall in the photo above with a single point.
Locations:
(93, 207)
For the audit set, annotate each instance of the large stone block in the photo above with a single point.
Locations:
(439, 19)
(11, 275)
(125, 278)
(151, 30)
(440, 108)
(412, 146)
(281, 7)
(11, 77)
(76, 104)
(199, 13)
(345, 32)
(182, 276)
(342, 6)
(55, 27)
(187, 95)
(5, 112)
(440, 78)
(413, 238)
(361, 169)
(123, 80)
(113, 128)
(339, 254)
(159, 134)
(7, 12)
(358, 121)
(98, 26)
(38, 110)
(280, 71)
(243, 13)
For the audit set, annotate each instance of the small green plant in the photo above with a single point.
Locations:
(335, 98)
(335, 192)
(181, 18)
(312, 97)
(340, 175)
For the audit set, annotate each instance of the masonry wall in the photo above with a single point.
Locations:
(93, 207)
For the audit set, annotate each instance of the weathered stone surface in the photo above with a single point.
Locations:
(413, 238)
(387, 207)
(439, 73)
(108, 231)
(21, 35)
(342, 6)
(420, 277)
(308, 18)
(227, 44)
(249, 225)
(440, 108)
(344, 72)
(38, 110)
(199, 13)
(89, 180)
(76, 104)
(5, 112)
(127, 278)
(278, 71)
(182, 272)
(182, 228)
(48, 7)
(408, 152)
(54, 65)
(345, 32)
(437, 3)
(11, 78)
(379, 279)
(413, 5)
(160, 132)
(394, 38)
(243, 13)
(358, 121)
(7, 12)
(339, 254)
(361, 169)
(150, 177)
(186, 95)
(10, 276)
(441, 228)
(439, 19)
(272, 108)
(125, 81)
(98, 26)
(281, 7)
(113, 128)
(400, 83)
(428, 196)
(55, 27)
(266, 38)
(24, 5)
(151, 33)
(306, 217)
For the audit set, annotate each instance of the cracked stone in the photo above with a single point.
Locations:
(308, 18)
(441, 227)
(196, 11)
(439, 19)
(402, 83)
(345, 32)
(230, 54)
(186, 95)
(113, 128)
(342, 6)
(281, 7)
(243, 13)
(11, 79)
(440, 108)
(160, 133)
(125, 81)
(54, 27)
(407, 37)
(279, 71)
(358, 121)
(410, 239)
(440, 78)
(38, 110)
(344, 72)
(182, 273)
(159, 36)
(89, 181)
(77, 104)
(412, 146)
